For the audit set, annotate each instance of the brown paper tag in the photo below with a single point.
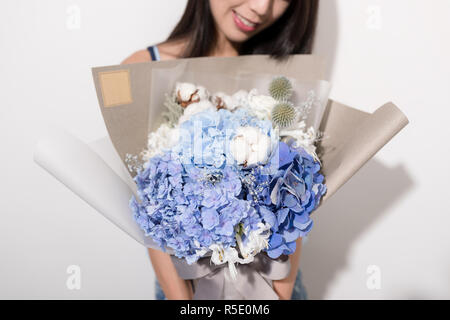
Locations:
(115, 87)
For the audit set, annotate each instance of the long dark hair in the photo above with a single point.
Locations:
(292, 33)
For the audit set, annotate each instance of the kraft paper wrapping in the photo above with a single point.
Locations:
(352, 138)
(128, 124)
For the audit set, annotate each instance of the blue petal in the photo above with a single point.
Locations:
(281, 215)
(290, 201)
(291, 234)
(277, 252)
(210, 218)
(275, 240)
(268, 216)
(302, 222)
(291, 246)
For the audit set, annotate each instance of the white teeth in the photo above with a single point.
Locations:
(245, 21)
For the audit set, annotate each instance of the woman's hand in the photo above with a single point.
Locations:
(173, 286)
(284, 287)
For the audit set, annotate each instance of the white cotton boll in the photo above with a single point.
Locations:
(250, 146)
(202, 94)
(195, 108)
(238, 149)
(185, 90)
(229, 103)
(218, 99)
(251, 134)
(252, 159)
(263, 149)
(188, 93)
(222, 100)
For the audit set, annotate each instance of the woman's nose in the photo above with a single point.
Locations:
(260, 7)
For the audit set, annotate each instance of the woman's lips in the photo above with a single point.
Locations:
(242, 23)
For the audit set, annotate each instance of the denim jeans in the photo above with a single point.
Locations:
(299, 292)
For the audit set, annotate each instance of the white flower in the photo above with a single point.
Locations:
(194, 108)
(239, 99)
(250, 146)
(222, 100)
(305, 138)
(164, 138)
(220, 255)
(260, 105)
(185, 90)
(240, 96)
(202, 250)
(256, 241)
(188, 93)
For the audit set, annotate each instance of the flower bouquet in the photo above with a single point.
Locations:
(230, 176)
(227, 161)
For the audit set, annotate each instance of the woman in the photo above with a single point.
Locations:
(230, 28)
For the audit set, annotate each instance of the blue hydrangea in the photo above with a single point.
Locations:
(286, 197)
(187, 208)
(194, 195)
(205, 137)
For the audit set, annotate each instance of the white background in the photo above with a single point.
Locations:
(391, 220)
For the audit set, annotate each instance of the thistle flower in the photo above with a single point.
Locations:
(280, 88)
(284, 114)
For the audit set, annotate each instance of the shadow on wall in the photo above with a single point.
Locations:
(344, 217)
(325, 40)
(338, 225)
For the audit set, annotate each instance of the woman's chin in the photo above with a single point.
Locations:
(238, 36)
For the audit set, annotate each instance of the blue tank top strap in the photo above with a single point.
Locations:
(154, 53)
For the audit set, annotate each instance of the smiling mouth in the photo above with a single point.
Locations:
(244, 23)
